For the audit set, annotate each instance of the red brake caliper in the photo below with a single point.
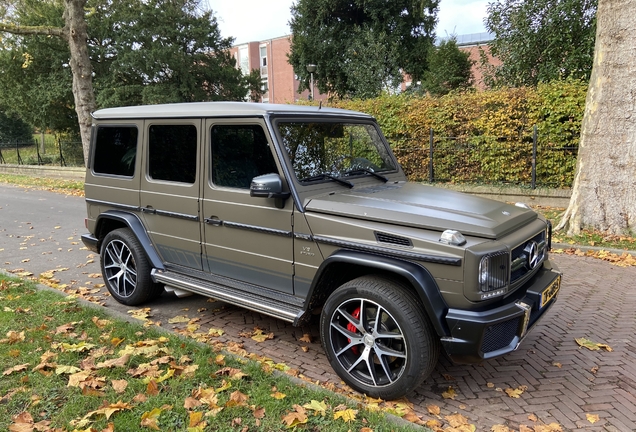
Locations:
(353, 329)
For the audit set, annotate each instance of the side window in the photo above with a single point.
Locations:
(172, 153)
(115, 150)
(240, 153)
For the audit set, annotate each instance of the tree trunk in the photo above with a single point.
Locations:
(75, 29)
(604, 190)
(76, 34)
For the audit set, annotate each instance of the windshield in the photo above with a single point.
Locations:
(320, 150)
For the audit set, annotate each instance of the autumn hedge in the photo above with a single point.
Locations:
(484, 136)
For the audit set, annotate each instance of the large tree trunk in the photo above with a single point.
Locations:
(604, 190)
(76, 34)
(75, 29)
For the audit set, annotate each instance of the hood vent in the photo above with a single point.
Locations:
(393, 239)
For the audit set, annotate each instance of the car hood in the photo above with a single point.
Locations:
(423, 206)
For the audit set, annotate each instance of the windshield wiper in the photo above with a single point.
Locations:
(330, 177)
(368, 171)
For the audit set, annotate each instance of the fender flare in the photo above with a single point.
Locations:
(419, 277)
(133, 222)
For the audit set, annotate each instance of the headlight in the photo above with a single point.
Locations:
(494, 274)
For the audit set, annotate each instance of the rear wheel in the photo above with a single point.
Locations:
(126, 270)
(377, 338)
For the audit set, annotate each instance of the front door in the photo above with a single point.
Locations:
(245, 238)
(170, 190)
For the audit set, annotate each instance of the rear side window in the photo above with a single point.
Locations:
(115, 150)
(172, 152)
(240, 153)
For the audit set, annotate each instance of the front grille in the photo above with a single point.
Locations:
(392, 239)
(499, 335)
(523, 256)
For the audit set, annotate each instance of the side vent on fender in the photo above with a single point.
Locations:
(393, 239)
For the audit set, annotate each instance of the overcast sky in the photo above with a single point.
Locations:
(256, 20)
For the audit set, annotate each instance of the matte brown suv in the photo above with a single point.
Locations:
(291, 211)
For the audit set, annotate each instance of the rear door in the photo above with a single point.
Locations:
(170, 190)
(245, 238)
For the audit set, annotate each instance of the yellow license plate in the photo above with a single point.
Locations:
(552, 290)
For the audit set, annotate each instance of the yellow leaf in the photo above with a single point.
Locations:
(347, 415)
(149, 419)
(237, 399)
(224, 386)
(278, 395)
(433, 410)
(516, 393)
(18, 368)
(592, 418)
(179, 319)
(450, 393)
(195, 418)
(62, 369)
(317, 407)
(593, 346)
(500, 428)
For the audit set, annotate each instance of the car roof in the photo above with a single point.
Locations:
(218, 109)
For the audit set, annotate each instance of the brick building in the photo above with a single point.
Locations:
(281, 84)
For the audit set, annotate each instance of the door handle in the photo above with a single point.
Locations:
(148, 209)
(213, 221)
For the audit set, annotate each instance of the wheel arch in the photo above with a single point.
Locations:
(115, 219)
(345, 265)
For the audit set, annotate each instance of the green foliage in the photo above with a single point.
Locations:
(361, 47)
(449, 68)
(148, 52)
(485, 136)
(541, 40)
(14, 129)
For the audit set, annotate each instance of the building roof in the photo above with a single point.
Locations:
(216, 109)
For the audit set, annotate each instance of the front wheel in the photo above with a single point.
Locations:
(377, 338)
(126, 270)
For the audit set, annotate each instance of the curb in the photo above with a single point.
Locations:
(585, 248)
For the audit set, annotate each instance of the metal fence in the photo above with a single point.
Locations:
(53, 152)
(527, 159)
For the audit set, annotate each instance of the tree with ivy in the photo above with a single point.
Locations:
(112, 52)
(540, 40)
(449, 69)
(361, 47)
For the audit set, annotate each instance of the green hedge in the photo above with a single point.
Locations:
(484, 136)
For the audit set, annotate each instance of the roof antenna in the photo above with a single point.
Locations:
(320, 106)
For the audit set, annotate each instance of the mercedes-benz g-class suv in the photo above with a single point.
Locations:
(294, 211)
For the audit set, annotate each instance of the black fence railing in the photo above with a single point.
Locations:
(53, 152)
(528, 159)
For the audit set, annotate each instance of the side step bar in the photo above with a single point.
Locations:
(263, 303)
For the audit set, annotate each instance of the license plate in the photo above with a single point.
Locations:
(552, 290)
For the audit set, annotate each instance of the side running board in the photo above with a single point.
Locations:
(275, 304)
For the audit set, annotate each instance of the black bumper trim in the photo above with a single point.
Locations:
(90, 242)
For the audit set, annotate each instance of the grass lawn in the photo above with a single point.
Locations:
(66, 366)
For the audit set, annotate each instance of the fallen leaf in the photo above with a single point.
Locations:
(278, 395)
(296, 417)
(593, 346)
(119, 385)
(592, 418)
(433, 410)
(179, 319)
(516, 393)
(18, 368)
(450, 393)
(237, 399)
(306, 338)
(500, 428)
(152, 388)
(149, 419)
(348, 415)
(319, 408)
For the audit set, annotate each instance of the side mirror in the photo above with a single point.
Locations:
(269, 186)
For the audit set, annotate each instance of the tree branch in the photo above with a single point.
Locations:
(32, 30)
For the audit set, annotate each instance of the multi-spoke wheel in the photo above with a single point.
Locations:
(126, 270)
(377, 338)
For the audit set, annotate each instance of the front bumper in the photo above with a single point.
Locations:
(476, 336)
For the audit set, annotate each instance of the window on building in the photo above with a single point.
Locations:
(172, 153)
(240, 153)
(115, 150)
(263, 52)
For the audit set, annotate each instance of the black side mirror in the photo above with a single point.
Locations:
(269, 186)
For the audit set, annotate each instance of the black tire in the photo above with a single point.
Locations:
(126, 270)
(384, 358)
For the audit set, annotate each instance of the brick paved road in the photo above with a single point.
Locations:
(597, 301)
